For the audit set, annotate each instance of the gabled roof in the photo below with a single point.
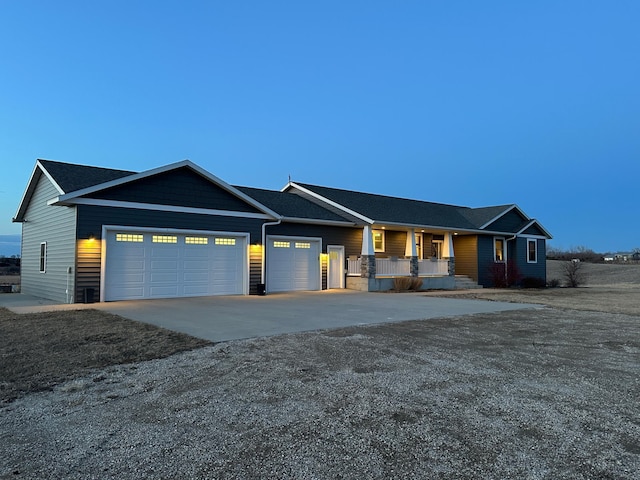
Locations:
(391, 210)
(74, 181)
(71, 177)
(382, 209)
(484, 215)
(292, 206)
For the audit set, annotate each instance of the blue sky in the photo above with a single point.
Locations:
(469, 103)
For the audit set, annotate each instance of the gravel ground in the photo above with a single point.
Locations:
(543, 394)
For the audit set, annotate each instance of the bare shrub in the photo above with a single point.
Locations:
(416, 283)
(401, 284)
(573, 273)
(553, 283)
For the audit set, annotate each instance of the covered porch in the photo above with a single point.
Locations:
(372, 270)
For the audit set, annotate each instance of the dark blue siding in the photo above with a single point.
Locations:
(181, 187)
(485, 260)
(510, 222)
(91, 219)
(520, 255)
(350, 237)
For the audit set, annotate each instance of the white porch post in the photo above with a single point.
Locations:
(410, 249)
(447, 252)
(367, 241)
(368, 257)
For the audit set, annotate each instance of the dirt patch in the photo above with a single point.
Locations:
(42, 350)
(522, 394)
(10, 279)
(612, 298)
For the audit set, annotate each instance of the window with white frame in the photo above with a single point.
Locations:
(378, 240)
(532, 250)
(43, 257)
(499, 252)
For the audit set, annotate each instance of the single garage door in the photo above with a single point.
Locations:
(293, 264)
(163, 265)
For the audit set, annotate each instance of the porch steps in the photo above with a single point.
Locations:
(464, 282)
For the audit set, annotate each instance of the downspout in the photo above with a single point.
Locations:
(264, 245)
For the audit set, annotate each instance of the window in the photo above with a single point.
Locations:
(129, 237)
(43, 257)
(196, 240)
(303, 245)
(281, 244)
(499, 253)
(164, 239)
(378, 240)
(532, 250)
(225, 241)
(436, 248)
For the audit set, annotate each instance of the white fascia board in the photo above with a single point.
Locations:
(313, 221)
(36, 173)
(512, 207)
(161, 208)
(166, 168)
(534, 222)
(327, 201)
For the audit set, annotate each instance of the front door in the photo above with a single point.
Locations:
(335, 275)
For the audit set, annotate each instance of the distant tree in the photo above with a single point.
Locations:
(574, 273)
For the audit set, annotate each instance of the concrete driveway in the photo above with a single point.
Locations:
(235, 317)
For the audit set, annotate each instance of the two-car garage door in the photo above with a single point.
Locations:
(141, 264)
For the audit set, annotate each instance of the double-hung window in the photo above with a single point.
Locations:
(499, 249)
(43, 257)
(378, 240)
(532, 250)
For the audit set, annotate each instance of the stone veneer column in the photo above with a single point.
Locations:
(368, 266)
(452, 266)
(413, 266)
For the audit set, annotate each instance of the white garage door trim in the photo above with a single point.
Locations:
(278, 270)
(111, 229)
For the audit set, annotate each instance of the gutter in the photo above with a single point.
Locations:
(264, 245)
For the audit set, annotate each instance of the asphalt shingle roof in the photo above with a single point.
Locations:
(382, 208)
(290, 204)
(482, 215)
(71, 177)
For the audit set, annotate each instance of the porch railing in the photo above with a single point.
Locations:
(387, 267)
(393, 266)
(433, 267)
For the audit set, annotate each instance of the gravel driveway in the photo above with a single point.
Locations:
(523, 394)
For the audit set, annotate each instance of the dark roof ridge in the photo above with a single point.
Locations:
(44, 161)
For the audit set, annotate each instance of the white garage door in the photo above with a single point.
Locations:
(293, 264)
(162, 265)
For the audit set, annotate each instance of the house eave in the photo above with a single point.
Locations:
(36, 173)
(167, 168)
(314, 221)
(159, 207)
(327, 201)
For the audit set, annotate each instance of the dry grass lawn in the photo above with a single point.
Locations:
(41, 350)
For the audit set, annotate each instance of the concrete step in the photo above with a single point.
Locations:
(463, 282)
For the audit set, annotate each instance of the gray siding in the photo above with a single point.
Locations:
(182, 187)
(465, 249)
(57, 227)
